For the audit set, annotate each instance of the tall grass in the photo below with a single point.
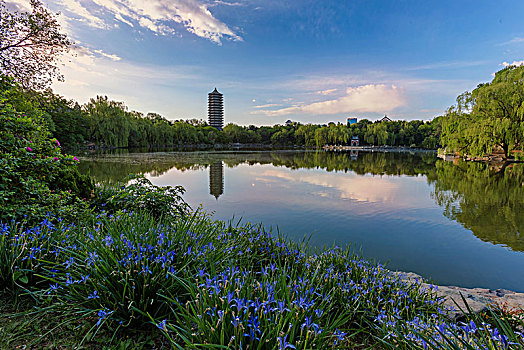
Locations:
(208, 284)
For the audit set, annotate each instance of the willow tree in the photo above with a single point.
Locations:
(491, 115)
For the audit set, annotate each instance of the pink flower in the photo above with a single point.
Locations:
(56, 158)
(75, 158)
(29, 149)
(57, 143)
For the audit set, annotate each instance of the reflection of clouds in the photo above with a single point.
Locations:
(372, 189)
(321, 194)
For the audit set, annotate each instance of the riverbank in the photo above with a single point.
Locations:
(478, 299)
(190, 280)
(198, 147)
(372, 148)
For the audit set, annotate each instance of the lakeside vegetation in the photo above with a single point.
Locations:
(489, 117)
(135, 262)
(131, 265)
(178, 279)
(103, 123)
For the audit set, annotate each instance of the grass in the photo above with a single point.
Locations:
(130, 280)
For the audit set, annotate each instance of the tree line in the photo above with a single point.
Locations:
(488, 118)
(104, 123)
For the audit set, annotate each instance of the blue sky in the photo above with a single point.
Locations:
(308, 61)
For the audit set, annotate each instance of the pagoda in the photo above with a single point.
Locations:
(215, 109)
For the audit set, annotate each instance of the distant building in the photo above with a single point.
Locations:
(352, 121)
(385, 119)
(215, 109)
(289, 122)
(354, 141)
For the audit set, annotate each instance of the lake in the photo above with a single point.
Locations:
(455, 224)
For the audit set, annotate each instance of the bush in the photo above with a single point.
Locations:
(141, 195)
(35, 177)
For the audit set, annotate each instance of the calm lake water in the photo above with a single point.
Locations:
(456, 224)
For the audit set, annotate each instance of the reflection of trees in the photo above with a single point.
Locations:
(114, 171)
(117, 168)
(487, 201)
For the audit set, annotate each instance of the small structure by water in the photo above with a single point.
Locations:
(385, 119)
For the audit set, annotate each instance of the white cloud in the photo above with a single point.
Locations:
(89, 72)
(361, 99)
(515, 40)
(219, 2)
(81, 55)
(76, 8)
(119, 17)
(158, 16)
(326, 92)
(107, 55)
(18, 5)
(267, 105)
(514, 63)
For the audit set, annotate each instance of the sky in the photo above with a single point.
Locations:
(311, 61)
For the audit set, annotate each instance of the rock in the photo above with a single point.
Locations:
(477, 299)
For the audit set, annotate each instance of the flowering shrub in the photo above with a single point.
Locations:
(35, 177)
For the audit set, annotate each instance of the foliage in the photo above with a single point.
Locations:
(492, 115)
(30, 45)
(35, 176)
(218, 284)
(202, 282)
(104, 123)
(141, 195)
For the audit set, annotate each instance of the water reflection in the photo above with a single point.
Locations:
(390, 205)
(216, 179)
(114, 168)
(488, 200)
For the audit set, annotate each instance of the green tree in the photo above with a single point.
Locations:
(109, 124)
(30, 46)
(492, 115)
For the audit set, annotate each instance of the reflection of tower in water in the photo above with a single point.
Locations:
(216, 179)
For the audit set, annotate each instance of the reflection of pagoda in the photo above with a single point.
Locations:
(216, 179)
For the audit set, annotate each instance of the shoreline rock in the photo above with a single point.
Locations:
(478, 299)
